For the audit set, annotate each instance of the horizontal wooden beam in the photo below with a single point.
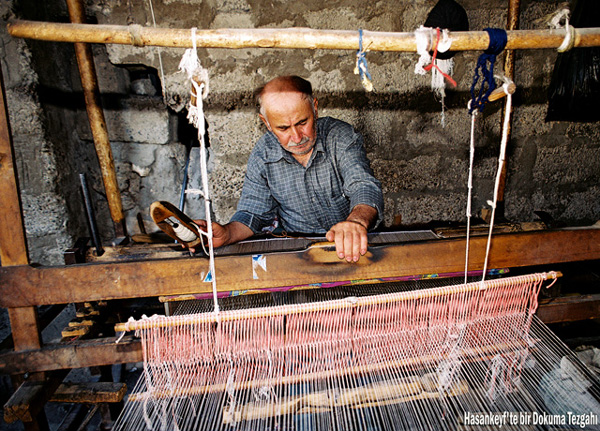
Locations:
(89, 393)
(26, 285)
(569, 308)
(288, 38)
(77, 354)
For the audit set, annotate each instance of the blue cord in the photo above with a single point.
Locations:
(361, 59)
(479, 98)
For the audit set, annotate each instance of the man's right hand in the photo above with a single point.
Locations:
(221, 235)
(225, 234)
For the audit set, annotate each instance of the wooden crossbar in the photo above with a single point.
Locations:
(288, 38)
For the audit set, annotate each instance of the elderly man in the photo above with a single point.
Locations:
(309, 173)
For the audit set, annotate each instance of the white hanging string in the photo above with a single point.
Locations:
(470, 186)
(501, 159)
(198, 77)
(160, 63)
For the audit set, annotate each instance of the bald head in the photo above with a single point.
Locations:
(284, 84)
(289, 111)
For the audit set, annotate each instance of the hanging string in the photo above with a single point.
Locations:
(362, 68)
(485, 66)
(501, 159)
(470, 187)
(198, 77)
(440, 69)
(160, 62)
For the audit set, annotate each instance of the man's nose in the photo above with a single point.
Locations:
(296, 135)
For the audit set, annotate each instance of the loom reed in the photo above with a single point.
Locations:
(338, 304)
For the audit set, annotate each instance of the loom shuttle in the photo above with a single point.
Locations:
(175, 223)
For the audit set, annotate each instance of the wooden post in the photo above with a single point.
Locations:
(514, 7)
(13, 245)
(89, 83)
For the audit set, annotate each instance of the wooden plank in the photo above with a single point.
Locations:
(78, 354)
(26, 285)
(21, 405)
(27, 402)
(569, 308)
(91, 393)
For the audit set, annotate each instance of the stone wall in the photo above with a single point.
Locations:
(553, 167)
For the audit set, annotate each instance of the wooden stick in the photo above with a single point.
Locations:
(512, 23)
(499, 93)
(338, 304)
(91, 92)
(288, 38)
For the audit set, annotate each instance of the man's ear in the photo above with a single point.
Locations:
(316, 104)
(264, 120)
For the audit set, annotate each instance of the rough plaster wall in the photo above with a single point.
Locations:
(36, 156)
(422, 165)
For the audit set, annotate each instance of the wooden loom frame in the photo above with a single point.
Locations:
(22, 287)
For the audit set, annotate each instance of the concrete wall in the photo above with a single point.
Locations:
(553, 167)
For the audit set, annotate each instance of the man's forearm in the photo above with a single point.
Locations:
(236, 232)
(364, 215)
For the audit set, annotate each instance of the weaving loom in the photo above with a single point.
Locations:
(436, 358)
(447, 357)
(412, 357)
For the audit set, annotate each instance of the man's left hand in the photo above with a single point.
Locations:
(350, 239)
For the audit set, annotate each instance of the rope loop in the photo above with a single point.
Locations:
(135, 31)
(569, 40)
(498, 39)
(433, 58)
(362, 68)
(485, 67)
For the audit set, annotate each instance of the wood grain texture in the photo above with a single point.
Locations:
(288, 38)
(25, 285)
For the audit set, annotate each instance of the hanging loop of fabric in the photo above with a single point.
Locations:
(485, 69)
(434, 57)
(362, 68)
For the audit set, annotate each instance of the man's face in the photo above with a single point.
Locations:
(290, 116)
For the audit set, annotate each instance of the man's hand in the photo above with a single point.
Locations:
(220, 233)
(225, 234)
(350, 239)
(350, 236)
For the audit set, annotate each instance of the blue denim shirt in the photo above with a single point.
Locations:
(308, 199)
